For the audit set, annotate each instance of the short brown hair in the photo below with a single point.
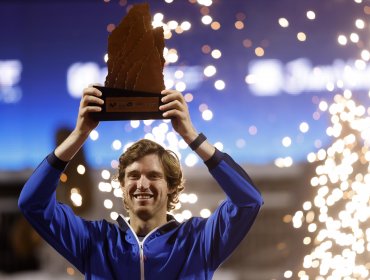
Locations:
(170, 163)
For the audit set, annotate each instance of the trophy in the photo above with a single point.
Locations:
(135, 69)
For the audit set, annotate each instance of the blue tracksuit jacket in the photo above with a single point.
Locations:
(102, 250)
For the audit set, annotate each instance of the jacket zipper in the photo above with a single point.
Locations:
(141, 247)
(142, 275)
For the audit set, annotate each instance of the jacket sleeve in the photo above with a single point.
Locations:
(232, 220)
(54, 221)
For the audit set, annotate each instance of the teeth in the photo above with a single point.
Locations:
(143, 196)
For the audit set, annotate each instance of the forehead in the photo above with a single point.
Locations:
(149, 162)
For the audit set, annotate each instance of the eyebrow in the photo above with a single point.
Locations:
(150, 173)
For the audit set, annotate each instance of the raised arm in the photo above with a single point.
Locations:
(175, 107)
(231, 221)
(55, 222)
(84, 124)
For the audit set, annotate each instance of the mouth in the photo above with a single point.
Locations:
(142, 196)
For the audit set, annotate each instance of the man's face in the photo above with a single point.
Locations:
(145, 188)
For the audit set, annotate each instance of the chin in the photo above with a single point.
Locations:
(143, 214)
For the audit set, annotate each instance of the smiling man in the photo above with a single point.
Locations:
(151, 244)
(151, 181)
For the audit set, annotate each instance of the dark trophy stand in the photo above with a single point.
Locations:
(121, 104)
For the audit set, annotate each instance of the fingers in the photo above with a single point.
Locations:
(171, 95)
(95, 84)
(91, 98)
(91, 91)
(174, 104)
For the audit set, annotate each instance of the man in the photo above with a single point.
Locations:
(152, 245)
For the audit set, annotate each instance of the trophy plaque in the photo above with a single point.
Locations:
(135, 69)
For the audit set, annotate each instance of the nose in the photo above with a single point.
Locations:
(143, 183)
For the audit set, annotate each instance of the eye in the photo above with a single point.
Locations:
(133, 176)
(155, 176)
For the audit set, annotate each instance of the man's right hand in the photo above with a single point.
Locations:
(90, 102)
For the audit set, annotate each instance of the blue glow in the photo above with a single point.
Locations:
(50, 50)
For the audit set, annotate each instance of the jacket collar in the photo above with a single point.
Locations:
(124, 223)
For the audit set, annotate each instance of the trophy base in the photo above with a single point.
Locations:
(122, 104)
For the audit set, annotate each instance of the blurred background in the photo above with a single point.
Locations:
(282, 86)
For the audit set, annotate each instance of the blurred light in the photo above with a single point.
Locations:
(220, 85)
(116, 145)
(304, 127)
(188, 97)
(114, 215)
(94, 135)
(205, 213)
(252, 130)
(187, 214)
(284, 162)
(215, 25)
(105, 174)
(365, 55)
(63, 177)
(306, 240)
(341, 199)
(135, 124)
(342, 40)
(76, 197)
(81, 74)
(105, 187)
(158, 17)
(266, 78)
(360, 64)
(115, 184)
(259, 51)
(70, 270)
(311, 15)
(287, 218)
(219, 146)
(172, 24)
(118, 193)
(360, 24)
(206, 19)
(207, 115)
(206, 3)
(307, 205)
(81, 169)
(323, 106)
(206, 49)
(247, 43)
(192, 198)
(186, 25)
(301, 36)
(311, 157)
(354, 37)
(209, 71)
(239, 25)
(287, 141)
(183, 198)
(179, 74)
(216, 54)
(108, 203)
(191, 160)
(288, 274)
(172, 56)
(180, 86)
(283, 22)
(179, 217)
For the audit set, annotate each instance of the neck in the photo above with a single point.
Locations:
(143, 227)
